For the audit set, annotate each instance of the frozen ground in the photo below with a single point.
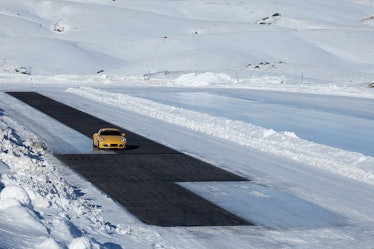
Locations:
(277, 92)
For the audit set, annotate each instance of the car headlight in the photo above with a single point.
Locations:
(102, 139)
(124, 140)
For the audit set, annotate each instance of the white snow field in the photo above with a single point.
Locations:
(279, 92)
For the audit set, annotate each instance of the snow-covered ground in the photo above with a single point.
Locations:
(275, 91)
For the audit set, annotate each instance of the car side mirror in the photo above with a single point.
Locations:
(123, 134)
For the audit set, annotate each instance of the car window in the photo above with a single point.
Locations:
(110, 133)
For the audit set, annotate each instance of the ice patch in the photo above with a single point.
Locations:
(255, 203)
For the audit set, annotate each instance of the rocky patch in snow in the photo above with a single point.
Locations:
(369, 20)
(269, 19)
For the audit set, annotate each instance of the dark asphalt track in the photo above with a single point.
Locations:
(142, 178)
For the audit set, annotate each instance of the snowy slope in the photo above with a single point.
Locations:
(184, 73)
(330, 41)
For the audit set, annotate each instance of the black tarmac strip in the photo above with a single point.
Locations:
(143, 177)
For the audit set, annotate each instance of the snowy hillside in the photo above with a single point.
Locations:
(328, 41)
(279, 92)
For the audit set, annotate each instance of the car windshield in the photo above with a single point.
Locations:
(110, 133)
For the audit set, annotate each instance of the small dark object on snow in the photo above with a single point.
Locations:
(22, 70)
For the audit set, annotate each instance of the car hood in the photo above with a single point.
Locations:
(110, 139)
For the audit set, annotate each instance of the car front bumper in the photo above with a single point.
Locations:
(112, 146)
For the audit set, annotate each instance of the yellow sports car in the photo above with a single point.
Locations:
(109, 138)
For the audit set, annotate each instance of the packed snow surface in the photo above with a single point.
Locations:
(279, 92)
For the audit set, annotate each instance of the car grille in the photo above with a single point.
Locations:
(113, 145)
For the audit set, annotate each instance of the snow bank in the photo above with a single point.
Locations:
(286, 144)
(37, 206)
(204, 79)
